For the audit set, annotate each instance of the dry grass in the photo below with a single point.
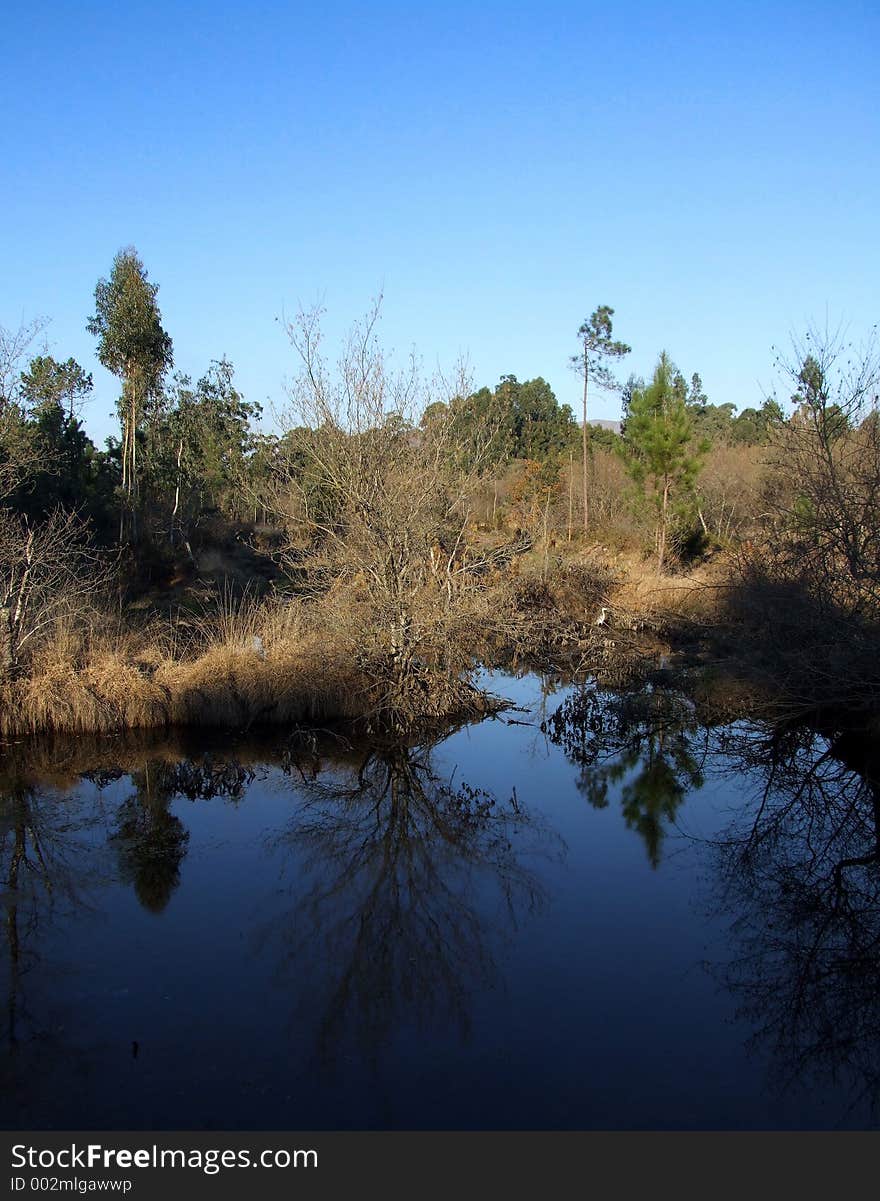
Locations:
(244, 662)
(666, 601)
(95, 675)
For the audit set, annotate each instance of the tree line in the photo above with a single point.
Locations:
(189, 451)
(410, 519)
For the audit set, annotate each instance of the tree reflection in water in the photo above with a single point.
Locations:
(645, 745)
(46, 868)
(799, 878)
(406, 879)
(50, 853)
(151, 842)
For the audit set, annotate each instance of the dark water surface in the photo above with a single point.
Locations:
(619, 920)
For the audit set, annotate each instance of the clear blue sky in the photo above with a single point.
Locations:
(710, 171)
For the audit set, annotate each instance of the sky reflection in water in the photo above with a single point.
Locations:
(602, 918)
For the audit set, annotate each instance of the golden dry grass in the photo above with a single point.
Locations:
(90, 678)
(661, 601)
(250, 662)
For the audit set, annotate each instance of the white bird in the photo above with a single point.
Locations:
(602, 619)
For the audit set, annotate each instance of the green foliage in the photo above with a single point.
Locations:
(661, 452)
(198, 443)
(133, 345)
(715, 423)
(719, 424)
(659, 433)
(597, 346)
(540, 428)
(602, 437)
(753, 427)
(297, 454)
(72, 473)
(61, 468)
(513, 421)
(17, 454)
(131, 341)
(48, 385)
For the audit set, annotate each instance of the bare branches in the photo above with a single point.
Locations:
(18, 455)
(47, 571)
(829, 459)
(14, 345)
(375, 503)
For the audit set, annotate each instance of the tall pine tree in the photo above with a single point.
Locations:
(661, 453)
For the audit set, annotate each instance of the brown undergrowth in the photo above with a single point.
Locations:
(744, 644)
(286, 659)
(248, 664)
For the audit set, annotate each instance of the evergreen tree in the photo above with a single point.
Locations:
(133, 345)
(199, 443)
(48, 385)
(661, 453)
(519, 421)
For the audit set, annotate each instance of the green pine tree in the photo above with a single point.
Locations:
(661, 452)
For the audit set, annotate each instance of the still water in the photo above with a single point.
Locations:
(591, 913)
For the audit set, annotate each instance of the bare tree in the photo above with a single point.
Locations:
(378, 505)
(18, 456)
(14, 345)
(47, 570)
(832, 460)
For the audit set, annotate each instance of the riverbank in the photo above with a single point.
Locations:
(284, 660)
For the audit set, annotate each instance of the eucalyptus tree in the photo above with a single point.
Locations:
(597, 346)
(135, 347)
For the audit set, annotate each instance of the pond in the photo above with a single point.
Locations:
(588, 913)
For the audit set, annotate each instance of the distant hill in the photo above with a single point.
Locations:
(614, 426)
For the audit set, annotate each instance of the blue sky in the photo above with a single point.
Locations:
(499, 170)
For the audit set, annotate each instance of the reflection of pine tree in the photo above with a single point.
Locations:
(641, 743)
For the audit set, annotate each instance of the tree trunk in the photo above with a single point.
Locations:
(132, 421)
(177, 491)
(585, 450)
(546, 539)
(570, 492)
(7, 643)
(661, 536)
